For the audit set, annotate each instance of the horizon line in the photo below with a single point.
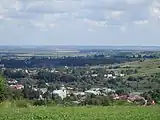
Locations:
(85, 45)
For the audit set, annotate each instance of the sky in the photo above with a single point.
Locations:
(79, 22)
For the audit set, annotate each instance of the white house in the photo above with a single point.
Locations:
(107, 90)
(12, 82)
(79, 93)
(122, 75)
(94, 75)
(94, 91)
(105, 75)
(43, 90)
(62, 93)
(90, 92)
(110, 75)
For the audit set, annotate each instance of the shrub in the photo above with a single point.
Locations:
(43, 102)
(122, 103)
(3, 89)
(39, 102)
(22, 103)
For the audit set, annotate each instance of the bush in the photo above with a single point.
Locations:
(50, 102)
(98, 100)
(22, 103)
(43, 102)
(14, 94)
(3, 89)
(158, 102)
(120, 92)
(122, 102)
(70, 104)
(39, 102)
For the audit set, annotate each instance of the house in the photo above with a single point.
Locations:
(90, 92)
(105, 75)
(107, 90)
(1, 65)
(33, 72)
(122, 75)
(79, 93)
(12, 81)
(43, 90)
(116, 73)
(69, 90)
(26, 71)
(66, 67)
(62, 93)
(109, 75)
(47, 84)
(135, 93)
(135, 97)
(94, 75)
(115, 97)
(93, 91)
(18, 87)
(76, 102)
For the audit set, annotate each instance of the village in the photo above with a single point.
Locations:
(17, 80)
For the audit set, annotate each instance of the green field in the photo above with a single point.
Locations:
(54, 53)
(146, 67)
(81, 113)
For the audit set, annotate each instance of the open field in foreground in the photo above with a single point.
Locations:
(81, 113)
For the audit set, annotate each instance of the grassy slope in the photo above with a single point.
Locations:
(146, 67)
(81, 113)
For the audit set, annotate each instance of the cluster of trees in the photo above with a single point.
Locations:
(69, 61)
(73, 77)
(78, 78)
(17, 74)
(98, 100)
(145, 82)
(3, 89)
(129, 71)
(152, 94)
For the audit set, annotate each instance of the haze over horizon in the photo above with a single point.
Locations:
(80, 22)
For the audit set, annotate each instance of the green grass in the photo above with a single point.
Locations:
(81, 113)
(147, 64)
(146, 67)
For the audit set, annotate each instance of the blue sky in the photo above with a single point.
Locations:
(80, 22)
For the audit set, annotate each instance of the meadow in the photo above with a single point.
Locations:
(80, 113)
(146, 67)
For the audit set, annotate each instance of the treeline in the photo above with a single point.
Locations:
(64, 61)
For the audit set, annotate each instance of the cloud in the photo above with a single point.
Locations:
(89, 15)
(91, 30)
(101, 10)
(140, 22)
(123, 28)
(94, 23)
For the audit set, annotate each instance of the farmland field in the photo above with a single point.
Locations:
(81, 113)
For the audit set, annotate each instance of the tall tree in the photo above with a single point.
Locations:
(3, 89)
